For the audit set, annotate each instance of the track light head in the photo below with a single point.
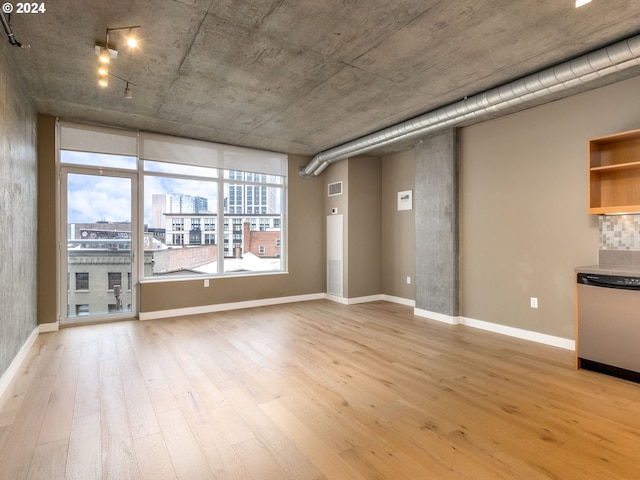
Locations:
(105, 52)
(132, 41)
(104, 56)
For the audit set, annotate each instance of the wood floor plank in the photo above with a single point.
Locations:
(87, 393)
(49, 460)
(84, 458)
(17, 452)
(284, 452)
(154, 461)
(118, 454)
(315, 449)
(142, 417)
(188, 460)
(59, 413)
(14, 396)
(262, 464)
(312, 390)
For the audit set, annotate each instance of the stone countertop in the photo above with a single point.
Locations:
(621, 270)
(624, 263)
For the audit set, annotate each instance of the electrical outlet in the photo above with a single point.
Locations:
(534, 302)
(206, 283)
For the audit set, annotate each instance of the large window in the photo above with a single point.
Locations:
(206, 208)
(187, 201)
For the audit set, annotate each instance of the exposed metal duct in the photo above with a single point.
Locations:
(581, 70)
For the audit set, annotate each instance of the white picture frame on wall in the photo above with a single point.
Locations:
(405, 200)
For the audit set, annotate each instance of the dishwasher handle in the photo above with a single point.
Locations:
(609, 281)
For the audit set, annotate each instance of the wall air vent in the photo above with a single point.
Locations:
(335, 189)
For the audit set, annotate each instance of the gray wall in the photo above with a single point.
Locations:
(18, 209)
(436, 201)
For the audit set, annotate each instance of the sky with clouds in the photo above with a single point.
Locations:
(93, 198)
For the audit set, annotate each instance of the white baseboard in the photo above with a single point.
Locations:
(439, 317)
(221, 307)
(371, 298)
(537, 337)
(337, 299)
(354, 300)
(15, 365)
(399, 300)
(48, 327)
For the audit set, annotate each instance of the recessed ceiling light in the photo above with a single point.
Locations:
(581, 3)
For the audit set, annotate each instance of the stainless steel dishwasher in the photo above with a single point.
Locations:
(609, 324)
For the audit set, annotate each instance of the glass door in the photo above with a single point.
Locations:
(99, 235)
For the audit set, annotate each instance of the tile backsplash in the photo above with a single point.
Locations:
(619, 232)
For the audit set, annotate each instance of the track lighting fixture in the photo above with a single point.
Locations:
(128, 94)
(104, 56)
(107, 52)
(132, 41)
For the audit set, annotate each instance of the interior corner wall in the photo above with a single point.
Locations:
(398, 227)
(524, 225)
(18, 210)
(436, 203)
(47, 221)
(364, 227)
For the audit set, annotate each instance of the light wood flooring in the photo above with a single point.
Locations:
(313, 390)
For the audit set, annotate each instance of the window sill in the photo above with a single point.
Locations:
(212, 277)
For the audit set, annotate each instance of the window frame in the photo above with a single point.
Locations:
(244, 168)
(229, 182)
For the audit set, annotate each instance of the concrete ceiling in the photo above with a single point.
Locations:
(296, 76)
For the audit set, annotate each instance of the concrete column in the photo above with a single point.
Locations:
(436, 212)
